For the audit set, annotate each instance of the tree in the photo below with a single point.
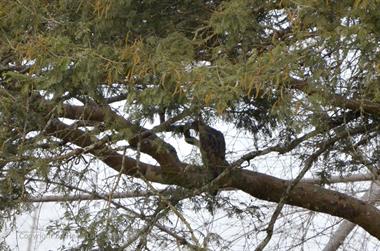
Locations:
(300, 78)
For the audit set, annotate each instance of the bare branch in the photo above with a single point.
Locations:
(84, 197)
(281, 149)
(340, 179)
(308, 163)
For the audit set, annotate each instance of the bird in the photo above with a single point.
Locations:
(212, 146)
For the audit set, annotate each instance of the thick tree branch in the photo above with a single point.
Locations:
(309, 196)
(108, 156)
(256, 184)
(150, 143)
(188, 176)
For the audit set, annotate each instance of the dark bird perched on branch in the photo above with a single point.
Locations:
(211, 144)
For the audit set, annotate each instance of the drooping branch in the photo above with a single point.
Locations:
(365, 106)
(281, 148)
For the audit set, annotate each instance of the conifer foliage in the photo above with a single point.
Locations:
(96, 96)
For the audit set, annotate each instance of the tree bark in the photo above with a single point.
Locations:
(309, 196)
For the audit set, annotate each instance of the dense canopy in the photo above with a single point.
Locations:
(96, 98)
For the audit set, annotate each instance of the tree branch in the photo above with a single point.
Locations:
(281, 149)
(308, 164)
(345, 228)
(365, 106)
(259, 185)
(150, 143)
(309, 196)
(340, 179)
(107, 155)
